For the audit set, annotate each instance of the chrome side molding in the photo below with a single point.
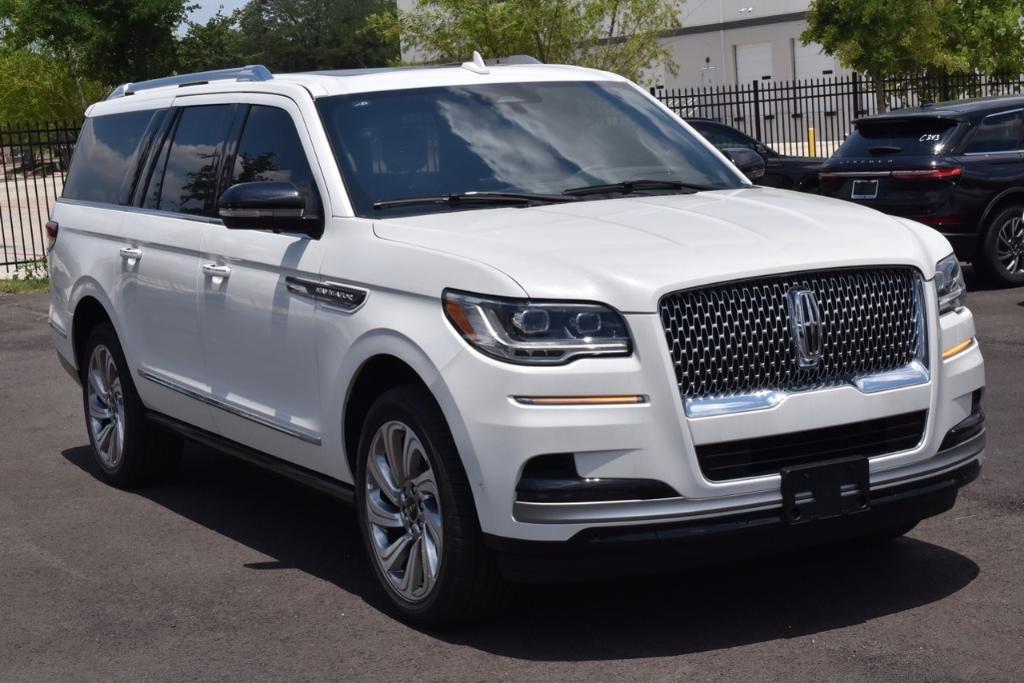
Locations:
(244, 413)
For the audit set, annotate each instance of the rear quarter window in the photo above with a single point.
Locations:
(106, 156)
(913, 137)
(995, 133)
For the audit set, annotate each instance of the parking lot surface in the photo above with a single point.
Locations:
(228, 572)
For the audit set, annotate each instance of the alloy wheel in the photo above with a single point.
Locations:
(403, 511)
(106, 406)
(1010, 245)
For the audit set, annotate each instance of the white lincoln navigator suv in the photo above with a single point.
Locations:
(521, 315)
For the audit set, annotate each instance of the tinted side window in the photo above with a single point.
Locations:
(996, 133)
(721, 136)
(270, 149)
(105, 157)
(190, 175)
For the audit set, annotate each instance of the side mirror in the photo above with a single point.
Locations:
(749, 162)
(266, 205)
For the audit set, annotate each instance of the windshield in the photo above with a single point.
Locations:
(911, 137)
(539, 138)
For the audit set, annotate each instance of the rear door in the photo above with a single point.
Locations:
(259, 331)
(159, 261)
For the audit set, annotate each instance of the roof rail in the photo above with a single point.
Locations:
(252, 72)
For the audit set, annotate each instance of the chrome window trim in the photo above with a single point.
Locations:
(288, 430)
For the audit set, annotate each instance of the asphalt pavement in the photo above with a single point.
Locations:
(227, 572)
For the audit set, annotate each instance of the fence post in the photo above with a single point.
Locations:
(757, 113)
(944, 87)
(856, 95)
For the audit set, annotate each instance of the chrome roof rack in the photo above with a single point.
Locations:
(252, 72)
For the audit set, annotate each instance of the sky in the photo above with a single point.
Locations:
(208, 8)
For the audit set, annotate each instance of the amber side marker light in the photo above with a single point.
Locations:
(580, 400)
(959, 348)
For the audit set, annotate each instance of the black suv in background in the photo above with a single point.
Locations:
(956, 166)
(786, 172)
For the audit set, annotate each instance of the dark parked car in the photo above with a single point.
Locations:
(789, 173)
(956, 166)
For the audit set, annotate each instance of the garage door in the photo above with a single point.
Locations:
(753, 63)
(810, 62)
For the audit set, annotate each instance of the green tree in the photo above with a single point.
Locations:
(883, 38)
(305, 35)
(614, 35)
(217, 44)
(37, 87)
(110, 41)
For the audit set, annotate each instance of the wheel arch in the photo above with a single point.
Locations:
(385, 360)
(90, 307)
(1014, 195)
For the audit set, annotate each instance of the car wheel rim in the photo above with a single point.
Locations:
(105, 400)
(1010, 246)
(403, 511)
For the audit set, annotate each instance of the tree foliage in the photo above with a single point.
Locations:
(885, 38)
(35, 87)
(305, 35)
(110, 41)
(217, 44)
(614, 35)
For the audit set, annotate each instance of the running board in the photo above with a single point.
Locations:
(297, 473)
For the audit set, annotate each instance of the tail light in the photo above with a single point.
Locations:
(51, 234)
(951, 173)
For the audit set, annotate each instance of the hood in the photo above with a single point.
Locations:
(629, 252)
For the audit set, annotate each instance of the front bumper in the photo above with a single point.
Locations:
(656, 441)
(608, 551)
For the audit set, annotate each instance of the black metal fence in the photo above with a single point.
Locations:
(812, 117)
(783, 114)
(33, 161)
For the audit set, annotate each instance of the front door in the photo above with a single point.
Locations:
(258, 334)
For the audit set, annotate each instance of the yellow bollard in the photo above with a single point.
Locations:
(812, 143)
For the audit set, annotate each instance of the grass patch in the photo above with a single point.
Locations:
(31, 279)
(25, 285)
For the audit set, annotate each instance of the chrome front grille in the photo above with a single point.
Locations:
(735, 338)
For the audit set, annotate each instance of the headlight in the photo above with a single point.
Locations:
(537, 332)
(950, 287)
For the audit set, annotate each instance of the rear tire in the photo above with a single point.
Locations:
(417, 515)
(1000, 257)
(127, 447)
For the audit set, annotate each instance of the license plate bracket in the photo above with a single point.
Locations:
(864, 189)
(824, 490)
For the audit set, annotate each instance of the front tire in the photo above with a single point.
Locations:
(417, 516)
(1001, 253)
(128, 448)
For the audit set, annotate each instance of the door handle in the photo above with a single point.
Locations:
(131, 254)
(218, 273)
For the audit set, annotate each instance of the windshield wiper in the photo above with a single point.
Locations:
(880, 149)
(629, 186)
(457, 198)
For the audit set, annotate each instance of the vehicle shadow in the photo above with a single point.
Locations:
(690, 611)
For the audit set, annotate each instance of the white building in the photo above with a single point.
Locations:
(734, 41)
(724, 42)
